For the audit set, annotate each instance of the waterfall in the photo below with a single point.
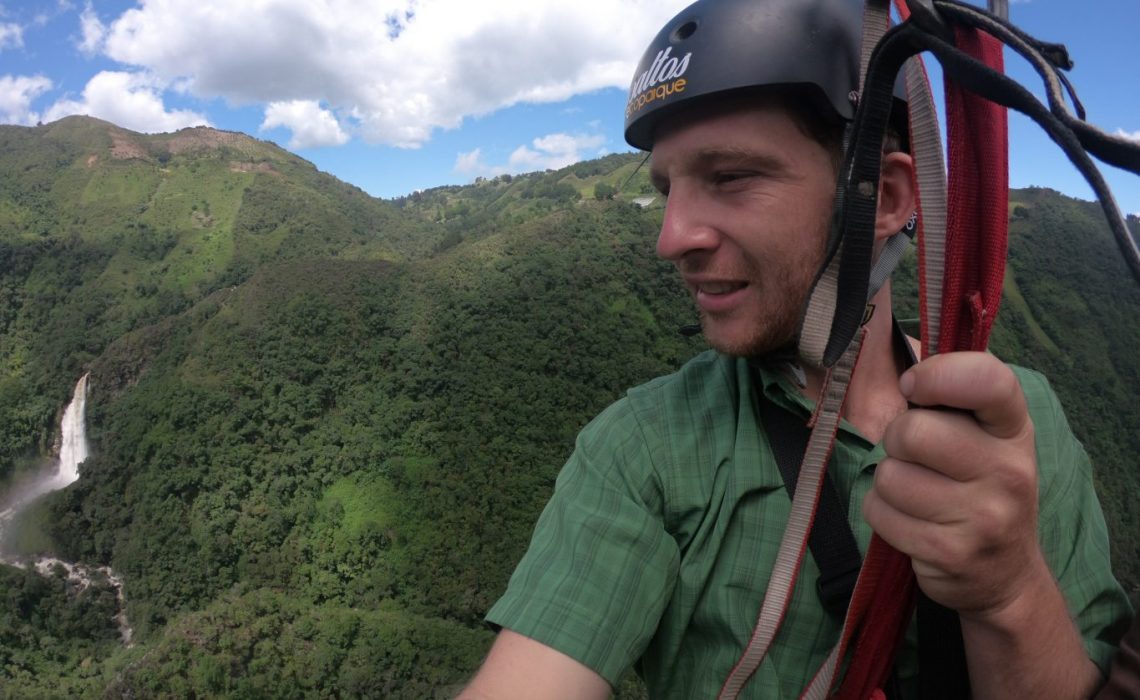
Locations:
(73, 431)
(72, 452)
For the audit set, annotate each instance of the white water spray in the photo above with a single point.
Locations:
(73, 429)
(72, 452)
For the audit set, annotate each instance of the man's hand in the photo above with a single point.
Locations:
(958, 494)
(958, 490)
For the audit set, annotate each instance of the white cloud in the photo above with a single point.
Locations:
(397, 69)
(16, 95)
(131, 100)
(552, 151)
(48, 13)
(312, 125)
(94, 31)
(11, 36)
(471, 163)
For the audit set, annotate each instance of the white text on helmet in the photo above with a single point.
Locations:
(663, 68)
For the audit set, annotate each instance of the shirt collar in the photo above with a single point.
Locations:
(781, 383)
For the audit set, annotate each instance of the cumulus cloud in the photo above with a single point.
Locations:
(131, 100)
(16, 95)
(396, 70)
(552, 151)
(471, 163)
(93, 29)
(312, 125)
(11, 36)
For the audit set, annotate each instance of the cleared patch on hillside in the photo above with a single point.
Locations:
(1015, 299)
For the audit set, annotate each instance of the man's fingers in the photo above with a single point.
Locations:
(948, 441)
(917, 538)
(972, 381)
(916, 491)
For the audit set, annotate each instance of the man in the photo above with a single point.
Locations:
(658, 542)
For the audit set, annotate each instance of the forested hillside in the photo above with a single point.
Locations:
(323, 424)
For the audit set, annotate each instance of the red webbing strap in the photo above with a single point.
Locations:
(978, 224)
(880, 610)
(975, 263)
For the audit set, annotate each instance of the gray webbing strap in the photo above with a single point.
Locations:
(876, 20)
(819, 313)
(888, 260)
(820, 686)
(789, 557)
(815, 328)
(930, 171)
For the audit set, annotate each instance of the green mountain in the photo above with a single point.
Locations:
(323, 424)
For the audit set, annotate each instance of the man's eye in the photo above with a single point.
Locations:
(729, 177)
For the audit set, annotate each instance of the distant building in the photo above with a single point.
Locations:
(644, 202)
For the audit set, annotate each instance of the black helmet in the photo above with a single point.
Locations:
(723, 46)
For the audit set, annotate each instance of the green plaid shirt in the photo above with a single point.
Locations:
(657, 544)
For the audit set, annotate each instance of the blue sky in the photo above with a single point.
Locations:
(400, 95)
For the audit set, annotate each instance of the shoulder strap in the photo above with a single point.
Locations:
(831, 541)
(942, 670)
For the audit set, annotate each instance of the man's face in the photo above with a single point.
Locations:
(749, 197)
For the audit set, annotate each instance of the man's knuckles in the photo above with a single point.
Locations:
(947, 441)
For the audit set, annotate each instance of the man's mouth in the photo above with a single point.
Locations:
(719, 288)
(719, 296)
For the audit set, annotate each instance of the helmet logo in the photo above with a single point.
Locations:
(662, 79)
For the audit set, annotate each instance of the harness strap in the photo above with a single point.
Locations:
(930, 177)
(875, 639)
(860, 180)
(942, 670)
(876, 614)
(978, 205)
(831, 286)
(831, 541)
(793, 544)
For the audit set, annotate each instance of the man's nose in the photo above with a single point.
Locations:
(685, 227)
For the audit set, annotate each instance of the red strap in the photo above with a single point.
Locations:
(978, 218)
(975, 264)
(884, 600)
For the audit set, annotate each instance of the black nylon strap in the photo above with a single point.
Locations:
(942, 671)
(831, 541)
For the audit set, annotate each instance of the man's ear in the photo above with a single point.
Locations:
(896, 194)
